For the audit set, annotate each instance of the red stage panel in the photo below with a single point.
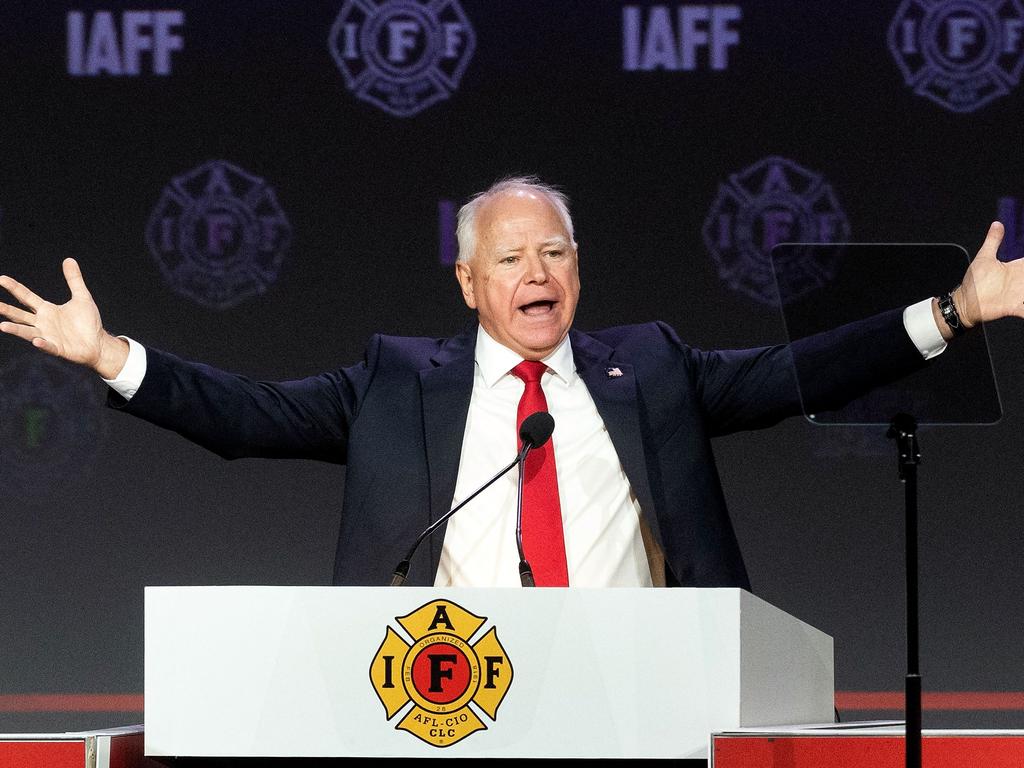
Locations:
(109, 748)
(845, 751)
(129, 752)
(43, 754)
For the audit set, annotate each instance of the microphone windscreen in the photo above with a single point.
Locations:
(537, 428)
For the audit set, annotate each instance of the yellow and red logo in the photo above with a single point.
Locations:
(447, 678)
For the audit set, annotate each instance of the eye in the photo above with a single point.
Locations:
(510, 260)
(555, 254)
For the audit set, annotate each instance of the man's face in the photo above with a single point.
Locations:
(522, 279)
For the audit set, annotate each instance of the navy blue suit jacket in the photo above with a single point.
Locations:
(397, 419)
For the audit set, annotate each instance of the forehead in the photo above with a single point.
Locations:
(520, 214)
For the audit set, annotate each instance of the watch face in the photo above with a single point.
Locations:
(948, 310)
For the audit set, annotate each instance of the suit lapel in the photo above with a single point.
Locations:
(446, 390)
(613, 387)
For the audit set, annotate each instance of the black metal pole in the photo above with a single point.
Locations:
(904, 430)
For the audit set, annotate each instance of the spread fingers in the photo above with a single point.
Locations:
(17, 314)
(20, 292)
(26, 332)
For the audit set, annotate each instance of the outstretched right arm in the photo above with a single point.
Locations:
(230, 415)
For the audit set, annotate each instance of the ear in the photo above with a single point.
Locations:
(464, 274)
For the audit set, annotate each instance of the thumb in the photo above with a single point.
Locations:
(993, 238)
(73, 276)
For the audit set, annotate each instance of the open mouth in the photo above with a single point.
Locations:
(537, 308)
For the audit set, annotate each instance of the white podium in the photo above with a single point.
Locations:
(425, 672)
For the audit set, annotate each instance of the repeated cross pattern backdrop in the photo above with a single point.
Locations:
(262, 185)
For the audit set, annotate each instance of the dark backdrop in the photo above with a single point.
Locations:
(316, 217)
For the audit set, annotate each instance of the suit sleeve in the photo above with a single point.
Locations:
(235, 416)
(753, 388)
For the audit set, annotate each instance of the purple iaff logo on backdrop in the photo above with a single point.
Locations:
(660, 37)
(51, 425)
(218, 235)
(123, 43)
(402, 55)
(773, 201)
(961, 54)
(1011, 214)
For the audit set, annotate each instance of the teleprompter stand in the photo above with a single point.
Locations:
(903, 430)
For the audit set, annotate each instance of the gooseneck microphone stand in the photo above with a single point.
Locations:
(525, 571)
(402, 569)
(903, 430)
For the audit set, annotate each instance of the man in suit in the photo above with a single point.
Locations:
(625, 494)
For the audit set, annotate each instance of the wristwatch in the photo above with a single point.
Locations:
(950, 315)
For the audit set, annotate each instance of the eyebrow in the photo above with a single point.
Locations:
(557, 240)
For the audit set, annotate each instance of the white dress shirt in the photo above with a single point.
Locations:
(604, 546)
(606, 542)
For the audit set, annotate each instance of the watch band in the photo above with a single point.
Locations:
(948, 309)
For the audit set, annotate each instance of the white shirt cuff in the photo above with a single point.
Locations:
(920, 324)
(128, 381)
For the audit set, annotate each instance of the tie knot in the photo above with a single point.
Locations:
(529, 370)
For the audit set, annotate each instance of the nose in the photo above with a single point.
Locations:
(536, 269)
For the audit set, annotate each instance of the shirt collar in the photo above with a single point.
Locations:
(496, 360)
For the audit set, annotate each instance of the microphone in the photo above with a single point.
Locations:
(535, 430)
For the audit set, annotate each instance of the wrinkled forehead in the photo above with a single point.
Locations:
(520, 217)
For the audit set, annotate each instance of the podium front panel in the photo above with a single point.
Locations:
(414, 672)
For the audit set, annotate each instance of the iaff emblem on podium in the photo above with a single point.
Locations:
(445, 676)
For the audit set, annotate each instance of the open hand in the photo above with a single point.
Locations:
(72, 331)
(991, 289)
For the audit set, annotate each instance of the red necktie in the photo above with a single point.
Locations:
(543, 542)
